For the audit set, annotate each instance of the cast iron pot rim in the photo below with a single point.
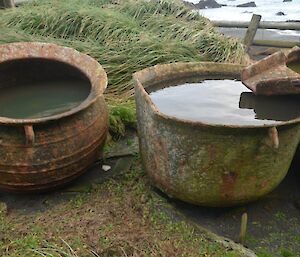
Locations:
(139, 78)
(52, 52)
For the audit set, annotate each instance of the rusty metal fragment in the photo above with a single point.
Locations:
(271, 76)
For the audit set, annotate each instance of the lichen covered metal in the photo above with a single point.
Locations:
(205, 164)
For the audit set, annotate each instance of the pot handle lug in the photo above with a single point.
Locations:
(273, 135)
(29, 133)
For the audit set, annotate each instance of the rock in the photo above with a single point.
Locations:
(189, 4)
(247, 12)
(106, 167)
(287, 1)
(280, 14)
(206, 4)
(249, 4)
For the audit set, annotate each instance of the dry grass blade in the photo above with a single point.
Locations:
(53, 250)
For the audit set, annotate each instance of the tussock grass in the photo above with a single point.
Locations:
(123, 35)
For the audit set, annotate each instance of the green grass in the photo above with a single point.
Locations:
(124, 37)
(264, 253)
(280, 216)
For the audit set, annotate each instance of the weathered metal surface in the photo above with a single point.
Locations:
(43, 153)
(271, 76)
(210, 165)
(293, 55)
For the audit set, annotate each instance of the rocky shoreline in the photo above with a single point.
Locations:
(207, 4)
(211, 4)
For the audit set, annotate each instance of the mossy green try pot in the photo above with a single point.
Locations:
(205, 164)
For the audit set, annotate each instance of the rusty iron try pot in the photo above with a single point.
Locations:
(43, 153)
(205, 164)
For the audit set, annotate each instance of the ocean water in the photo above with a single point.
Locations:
(266, 8)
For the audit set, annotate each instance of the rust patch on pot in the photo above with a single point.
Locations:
(264, 184)
(228, 185)
(212, 152)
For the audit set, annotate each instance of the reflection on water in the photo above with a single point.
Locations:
(41, 99)
(295, 66)
(229, 102)
(281, 108)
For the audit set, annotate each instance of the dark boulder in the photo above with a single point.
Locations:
(280, 14)
(206, 4)
(287, 1)
(249, 4)
(189, 4)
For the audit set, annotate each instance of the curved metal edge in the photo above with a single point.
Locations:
(163, 72)
(84, 63)
(293, 54)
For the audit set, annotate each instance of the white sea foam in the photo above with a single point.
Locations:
(266, 8)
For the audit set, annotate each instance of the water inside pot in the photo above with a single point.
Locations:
(223, 101)
(35, 88)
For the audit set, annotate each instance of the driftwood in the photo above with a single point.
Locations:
(251, 31)
(262, 25)
(275, 43)
(255, 24)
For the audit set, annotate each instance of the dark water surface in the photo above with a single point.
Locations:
(224, 101)
(43, 98)
(295, 66)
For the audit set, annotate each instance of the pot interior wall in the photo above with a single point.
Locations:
(20, 71)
